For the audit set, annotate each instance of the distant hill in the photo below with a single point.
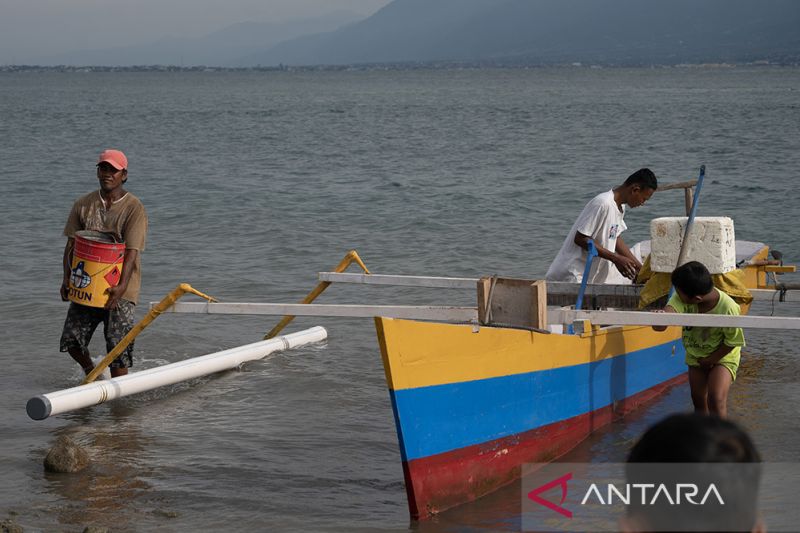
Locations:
(626, 32)
(221, 48)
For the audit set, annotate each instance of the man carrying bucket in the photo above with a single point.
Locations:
(109, 215)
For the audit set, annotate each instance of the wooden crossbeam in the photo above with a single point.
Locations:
(413, 312)
(641, 318)
(400, 281)
(553, 287)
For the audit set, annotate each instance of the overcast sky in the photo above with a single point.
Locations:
(33, 28)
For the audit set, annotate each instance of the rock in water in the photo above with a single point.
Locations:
(66, 456)
(9, 526)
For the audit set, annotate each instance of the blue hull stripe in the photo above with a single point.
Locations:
(441, 418)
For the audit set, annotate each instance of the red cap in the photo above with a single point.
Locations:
(115, 158)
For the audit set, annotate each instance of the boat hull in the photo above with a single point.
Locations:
(472, 405)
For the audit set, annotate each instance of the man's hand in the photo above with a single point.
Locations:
(627, 267)
(64, 291)
(114, 295)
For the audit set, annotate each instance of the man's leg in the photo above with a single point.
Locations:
(118, 323)
(79, 326)
(82, 358)
(698, 384)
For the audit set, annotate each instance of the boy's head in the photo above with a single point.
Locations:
(692, 280)
(639, 187)
(701, 450)
(694, 438)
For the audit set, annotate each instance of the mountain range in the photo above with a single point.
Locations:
(558, 31)
(510, 32)
(225, 47)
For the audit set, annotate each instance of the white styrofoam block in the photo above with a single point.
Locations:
(711, 242)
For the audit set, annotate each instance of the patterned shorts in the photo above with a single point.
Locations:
(83, 320)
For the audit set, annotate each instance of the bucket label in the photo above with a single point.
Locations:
(112, 278)
(80, 297)
(79, 278)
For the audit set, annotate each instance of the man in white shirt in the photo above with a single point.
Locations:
(602, 221)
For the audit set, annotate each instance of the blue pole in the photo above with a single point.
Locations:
(591, 254)
(689, 222)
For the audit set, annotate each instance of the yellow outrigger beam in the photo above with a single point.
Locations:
(156, 310)
(350, 258)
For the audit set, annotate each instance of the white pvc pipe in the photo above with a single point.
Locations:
(44, 405)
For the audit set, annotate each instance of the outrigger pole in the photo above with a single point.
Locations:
(45, 405)
(783, 292)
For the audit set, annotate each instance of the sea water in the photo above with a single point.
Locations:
(255, 181)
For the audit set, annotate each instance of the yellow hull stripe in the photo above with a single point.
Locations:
(421, 354)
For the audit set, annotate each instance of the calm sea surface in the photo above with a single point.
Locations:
(254, 182)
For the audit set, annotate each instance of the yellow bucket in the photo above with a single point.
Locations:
(96, 266)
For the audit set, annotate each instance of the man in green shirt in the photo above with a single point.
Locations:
(712, 354)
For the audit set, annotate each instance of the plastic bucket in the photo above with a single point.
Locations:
(96, 266)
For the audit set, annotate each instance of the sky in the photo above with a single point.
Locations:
(36, 28)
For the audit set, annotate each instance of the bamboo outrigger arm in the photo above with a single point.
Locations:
(469, 314)
(783, 292)
(350, 258)
(440, 313)
(151, 315)
(643, 318)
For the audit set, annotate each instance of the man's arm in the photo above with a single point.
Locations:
(116, 292)
(627, 266)
(67, 261)
(623, 249)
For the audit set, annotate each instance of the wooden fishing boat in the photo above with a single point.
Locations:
(477, 392)
(474, 403)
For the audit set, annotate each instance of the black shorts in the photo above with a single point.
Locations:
(82, 320)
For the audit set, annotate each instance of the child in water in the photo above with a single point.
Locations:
(712, 354)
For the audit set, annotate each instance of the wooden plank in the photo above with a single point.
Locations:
(539, 304)
(511, 302)
(688, 197)
(780, 269)
(553, 287)
(639, 318)
(679, 185)
(484, 288)
(402, 281)
(428, 312)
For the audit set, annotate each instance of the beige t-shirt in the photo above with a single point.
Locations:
(125, 219)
